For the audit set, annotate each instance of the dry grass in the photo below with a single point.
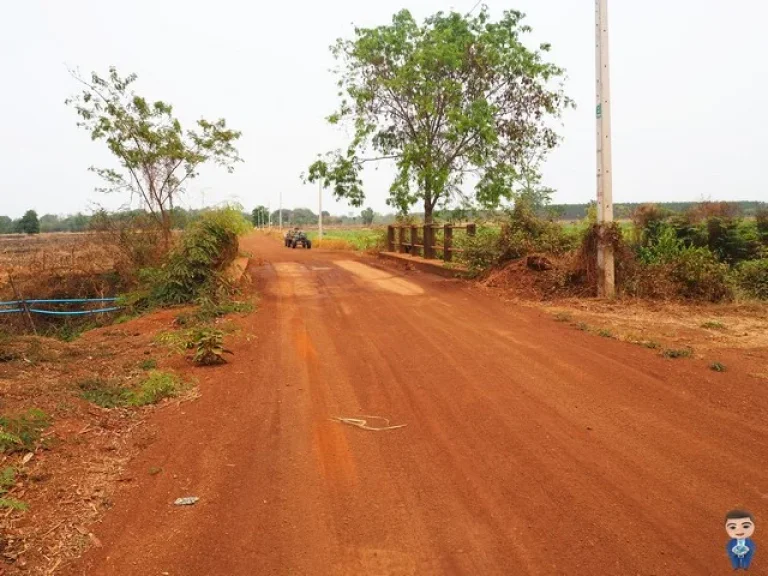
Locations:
(46, 264)
(333, 244)
(739, 326)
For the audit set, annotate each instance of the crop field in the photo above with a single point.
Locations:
(46, 263)
(360, 239)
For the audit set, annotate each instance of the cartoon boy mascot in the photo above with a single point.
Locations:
(740, 526)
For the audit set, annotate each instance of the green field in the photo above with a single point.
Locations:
(357, 238)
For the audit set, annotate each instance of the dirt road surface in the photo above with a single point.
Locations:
(529, 448)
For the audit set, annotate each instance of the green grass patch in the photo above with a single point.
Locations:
(8, 481)
(157, 386)
(360, 239)
(584, 327)
(22, 433)
(563, 317)
(105, 394)
(677, 353)
(717, 367)
(605, 333)
(148, 364)
(713, 325)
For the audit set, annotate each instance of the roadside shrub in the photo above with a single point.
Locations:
(197, 265)
(761, 221)
(699, 275)
(752, 278)
(732, 240)
(670, 268)
(481, 251)
(649, 221)
(524, 232)
(208, 347)
(665, 247)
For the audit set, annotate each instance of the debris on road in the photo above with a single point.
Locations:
(362, 422)
(188, 501)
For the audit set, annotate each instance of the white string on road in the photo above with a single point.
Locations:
(362, 422)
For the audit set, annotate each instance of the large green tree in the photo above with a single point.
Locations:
(458, 96)
(29, 223)
(156, 155)
(368, 215)
(260, 216)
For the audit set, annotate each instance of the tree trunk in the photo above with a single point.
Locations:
(167, 231)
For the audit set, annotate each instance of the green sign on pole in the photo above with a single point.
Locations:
(599, 111)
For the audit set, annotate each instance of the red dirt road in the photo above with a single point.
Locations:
(530, 448)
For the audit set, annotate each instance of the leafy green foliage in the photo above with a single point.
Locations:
(105, 394)
(367, 215)
(717, 367)
(196, 267)
(158, 386)
(260, 216)
(752, 278)
(481, 251)
(208, 347)
(156, 155)
(22, 432)
(458, 94)
(761, 222)
(29, 224)
(8, 481)
(148, 364)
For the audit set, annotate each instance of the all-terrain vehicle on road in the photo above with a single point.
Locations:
(289, 237)
(300, 237)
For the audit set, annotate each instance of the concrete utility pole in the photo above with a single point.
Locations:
(606, 286)
(320, 217)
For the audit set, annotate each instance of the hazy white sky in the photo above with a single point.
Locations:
(689, 92)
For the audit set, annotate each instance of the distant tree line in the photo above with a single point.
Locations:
(30, 223)
(625, 210)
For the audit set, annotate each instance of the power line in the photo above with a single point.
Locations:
(474, 7)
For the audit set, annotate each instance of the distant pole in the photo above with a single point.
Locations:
(606, 286)
(320, 202)
(281, 210)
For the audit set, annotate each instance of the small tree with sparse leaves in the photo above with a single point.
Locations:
(156, 155)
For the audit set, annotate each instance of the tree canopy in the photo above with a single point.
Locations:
(458, 96)
(157, 156)
(368, 215)
(29, 223)
(260, 216)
